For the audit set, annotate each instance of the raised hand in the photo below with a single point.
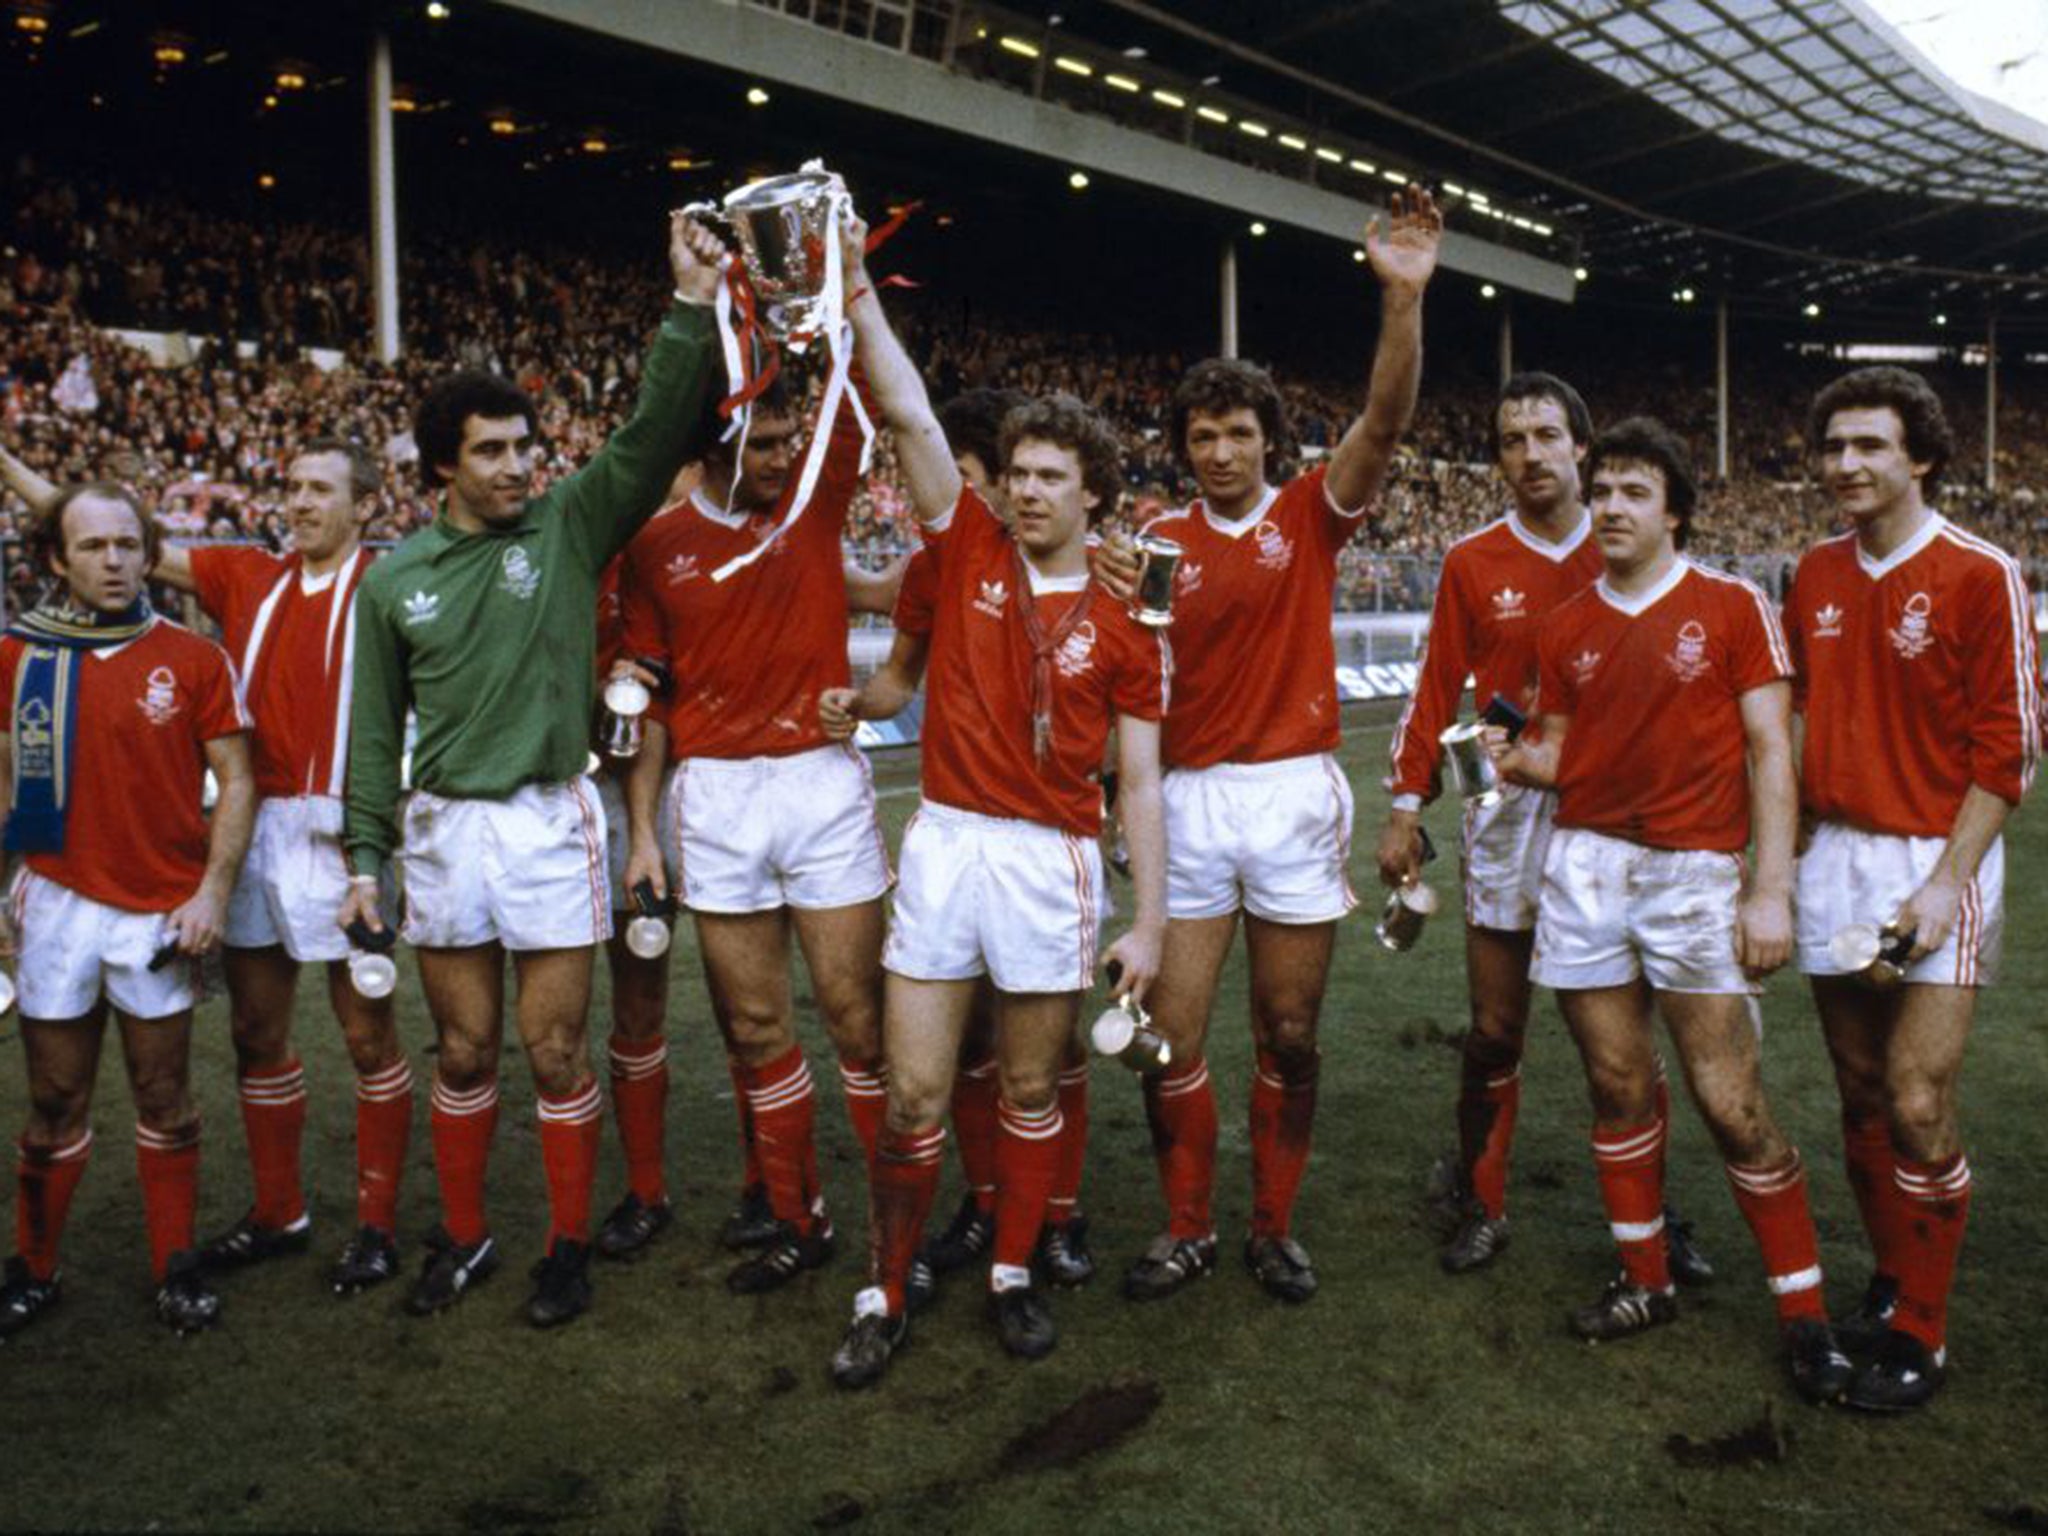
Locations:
(1415, 229)
(696, 256)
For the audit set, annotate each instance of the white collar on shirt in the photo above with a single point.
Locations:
(1636, 604)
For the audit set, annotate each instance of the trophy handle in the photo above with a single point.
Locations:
(714, 218)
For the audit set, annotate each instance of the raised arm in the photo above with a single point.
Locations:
(24, 482)
(1403, 262)
(921, 450)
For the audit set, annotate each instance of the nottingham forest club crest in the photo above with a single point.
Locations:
(520, 577)
(1911, 635)
(159, 701)
(1688, 656)
(1276, 550)
(1076, 650)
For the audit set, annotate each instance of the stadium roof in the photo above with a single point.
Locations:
(1786, 151)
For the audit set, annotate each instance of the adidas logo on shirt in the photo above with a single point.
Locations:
(422, 608)
(993, 595)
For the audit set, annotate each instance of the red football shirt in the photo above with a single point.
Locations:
(1497, 587)
(292, 639)
(977, 722)
(1254, 665)
(918, 595)
(135, 837)
(750, 654)
(1656, 753)
(1918, 678)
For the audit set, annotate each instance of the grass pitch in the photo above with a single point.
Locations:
(1398, 1400)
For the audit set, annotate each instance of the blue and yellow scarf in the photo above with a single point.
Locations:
(56, 636)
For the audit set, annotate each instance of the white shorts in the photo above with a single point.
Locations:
(1020, 903)
(293, 882)
(618, 842)
(73, 948)
(750, 834)
(1273, 838)
(1614, 910)
(526, 871)
(1847, 876)
(1503, 858)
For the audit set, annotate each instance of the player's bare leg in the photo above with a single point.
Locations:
(1032, 1032)
(638, 1055)
(922, 1026)
(1898, 1063)
(384, 1109)
(1489, 1090)
(158, 1056)
(465, 992)
(1290, 967)
(553, 1014)
(271, 1083)
(746, 962)
(1180, 1107)
(967, 1236)
(63, 1059)
(842, 948)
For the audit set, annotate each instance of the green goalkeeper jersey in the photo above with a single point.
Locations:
(490, 638)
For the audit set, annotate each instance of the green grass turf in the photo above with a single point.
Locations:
(1397, 1401)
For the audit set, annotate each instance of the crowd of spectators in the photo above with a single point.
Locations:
(207, 438)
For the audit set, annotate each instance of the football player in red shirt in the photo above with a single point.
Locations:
(1665, 702)
(1258, 812)
(1001, 872)
(1497, 586)
(1920, 693)
(288, 621)
(116, 718)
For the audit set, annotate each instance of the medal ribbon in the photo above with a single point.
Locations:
(1044, 646)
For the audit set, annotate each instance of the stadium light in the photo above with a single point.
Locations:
(1021, 47)
(1941, 319)
(1452, 189)
(1258, 226)
(290, 79)
(1211, 115)
(166, 54)
(1811, 311)
(1256, 130)
(594, 144)
(503, 125)
(1580, 274)
(1398, 178)
(1487, 290)
(1334, 156)
(1078, 180)
(1073, 66)
(756, 97)
(1363, 167)
(402, 101)
(30, 22)
(1168, 99)
(1357, 254)
(266, 181)
(1292, 141)
(1121, 83)
(436, 11)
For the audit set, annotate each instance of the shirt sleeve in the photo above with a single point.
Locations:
(1795, 639)
(218, 708)
(1555, 692)
(212, 579)
(1758, 654)
(2002, 681)
(643, 621)
(376, 736)
(1416, 752)
(627, 481)
(917, 599)
(1144, 681)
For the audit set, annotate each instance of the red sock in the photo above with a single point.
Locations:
(570, 1129)
(274, 1116)
(167, 1163)
(974, 1126)
(1630, 1162)
(1487, 1105)
(1066, 1188)
(383, 1131)
(462, 1122)
(640, 1105)
(46, 1178)
(784, 1110)
(1180, 1107)
(1873, 1179)
(867, 1101)
(1934, 1200)
(1027, 1164)
(1773, 1202)
(1283, 1116)
(751, 1176)
(899, 1203)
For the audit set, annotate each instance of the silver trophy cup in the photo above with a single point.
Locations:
(1875, 955)
(625, 703)
(372, 973)
(782, 227)
(1158, 564)
(1472, 771)
(1125, 1032)
(1408, 908)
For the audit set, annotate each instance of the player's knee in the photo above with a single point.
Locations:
(163, 1103)
(1488, 1055)
(1031, 1088)
(57, 1111)
(1922, 1118)
(1291, 1035)
(263, 1040)
(1621, 1094)
(914, 1108)
(462, 1068)
(757, 1035)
